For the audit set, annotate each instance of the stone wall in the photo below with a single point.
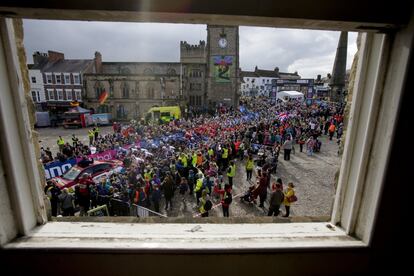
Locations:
(141, 68)
(220, 91)
(193, 53)
(144, 93)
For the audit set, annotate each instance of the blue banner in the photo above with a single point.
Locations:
(58, 168)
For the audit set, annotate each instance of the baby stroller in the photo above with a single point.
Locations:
(248, 196)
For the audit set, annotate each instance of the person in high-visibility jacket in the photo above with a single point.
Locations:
(147, 175)
(204, 198)
(96, 133)
(91, 135)
(249, 167)
(194, 159)
(199, 186)
(210, 154)
(183, 159)
(60, 143)
(225, 156)
(231, 172)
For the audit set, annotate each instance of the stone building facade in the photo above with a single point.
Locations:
(265, 82)
(206, 76)
(223, 79)
(133, 87)
(194, 74)
(58, 82)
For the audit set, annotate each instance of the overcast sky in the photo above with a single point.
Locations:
(308, 52)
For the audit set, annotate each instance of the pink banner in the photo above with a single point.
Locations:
(106, 155)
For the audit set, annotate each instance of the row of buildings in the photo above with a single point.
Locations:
(206, 76)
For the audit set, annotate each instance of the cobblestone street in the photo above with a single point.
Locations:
(313, 177)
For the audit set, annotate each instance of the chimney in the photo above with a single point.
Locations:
(98, 62)
(318, 78)
(39, 58)
(255, 68)
(277, 70)
(55, 56)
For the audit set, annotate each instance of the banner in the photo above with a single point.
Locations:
(58, 168)
(222, 65)
(100, 119)
(106, 155)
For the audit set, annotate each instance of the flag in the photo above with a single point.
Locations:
(102, 98)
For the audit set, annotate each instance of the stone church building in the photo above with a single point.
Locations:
(206, 76)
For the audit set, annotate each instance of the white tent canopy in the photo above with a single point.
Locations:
(287, 95)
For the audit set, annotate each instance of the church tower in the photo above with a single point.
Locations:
(337, 82)
(222, 65)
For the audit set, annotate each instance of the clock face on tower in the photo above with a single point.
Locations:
(222, 42)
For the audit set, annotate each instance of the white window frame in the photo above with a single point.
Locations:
(60, 78)
(37, 96)
(78, 94)
(74, 78)
(66, 75)
(51, 92)
(378, 87)
(59, 92)
(47, 78)
(69, 92)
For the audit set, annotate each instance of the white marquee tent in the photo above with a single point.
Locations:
(288, 95)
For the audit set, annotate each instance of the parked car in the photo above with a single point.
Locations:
(97, 170)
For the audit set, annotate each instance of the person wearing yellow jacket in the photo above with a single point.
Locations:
(96, 133)
(199, 186)
(225, 157)
(91, 134)
(204, 198)
(249, 167)
(61, 143)
(210, 154)
(194, 159)
(231, 172)
(288, 194)
(183, 159)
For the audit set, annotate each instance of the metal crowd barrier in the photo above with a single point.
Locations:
(116, 207)
(143, 212)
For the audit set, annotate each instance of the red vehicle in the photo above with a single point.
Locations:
(96, 170)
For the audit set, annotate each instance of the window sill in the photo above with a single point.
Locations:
(184, 237)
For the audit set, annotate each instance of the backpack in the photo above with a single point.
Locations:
(228, 198)
(208, 205)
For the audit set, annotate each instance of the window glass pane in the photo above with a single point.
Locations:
(51, 94)
(76, 79)
(69, 95)
(34, 96)
(211, 106)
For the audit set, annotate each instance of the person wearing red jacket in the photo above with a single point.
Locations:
(226, 199)
(84, 193)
